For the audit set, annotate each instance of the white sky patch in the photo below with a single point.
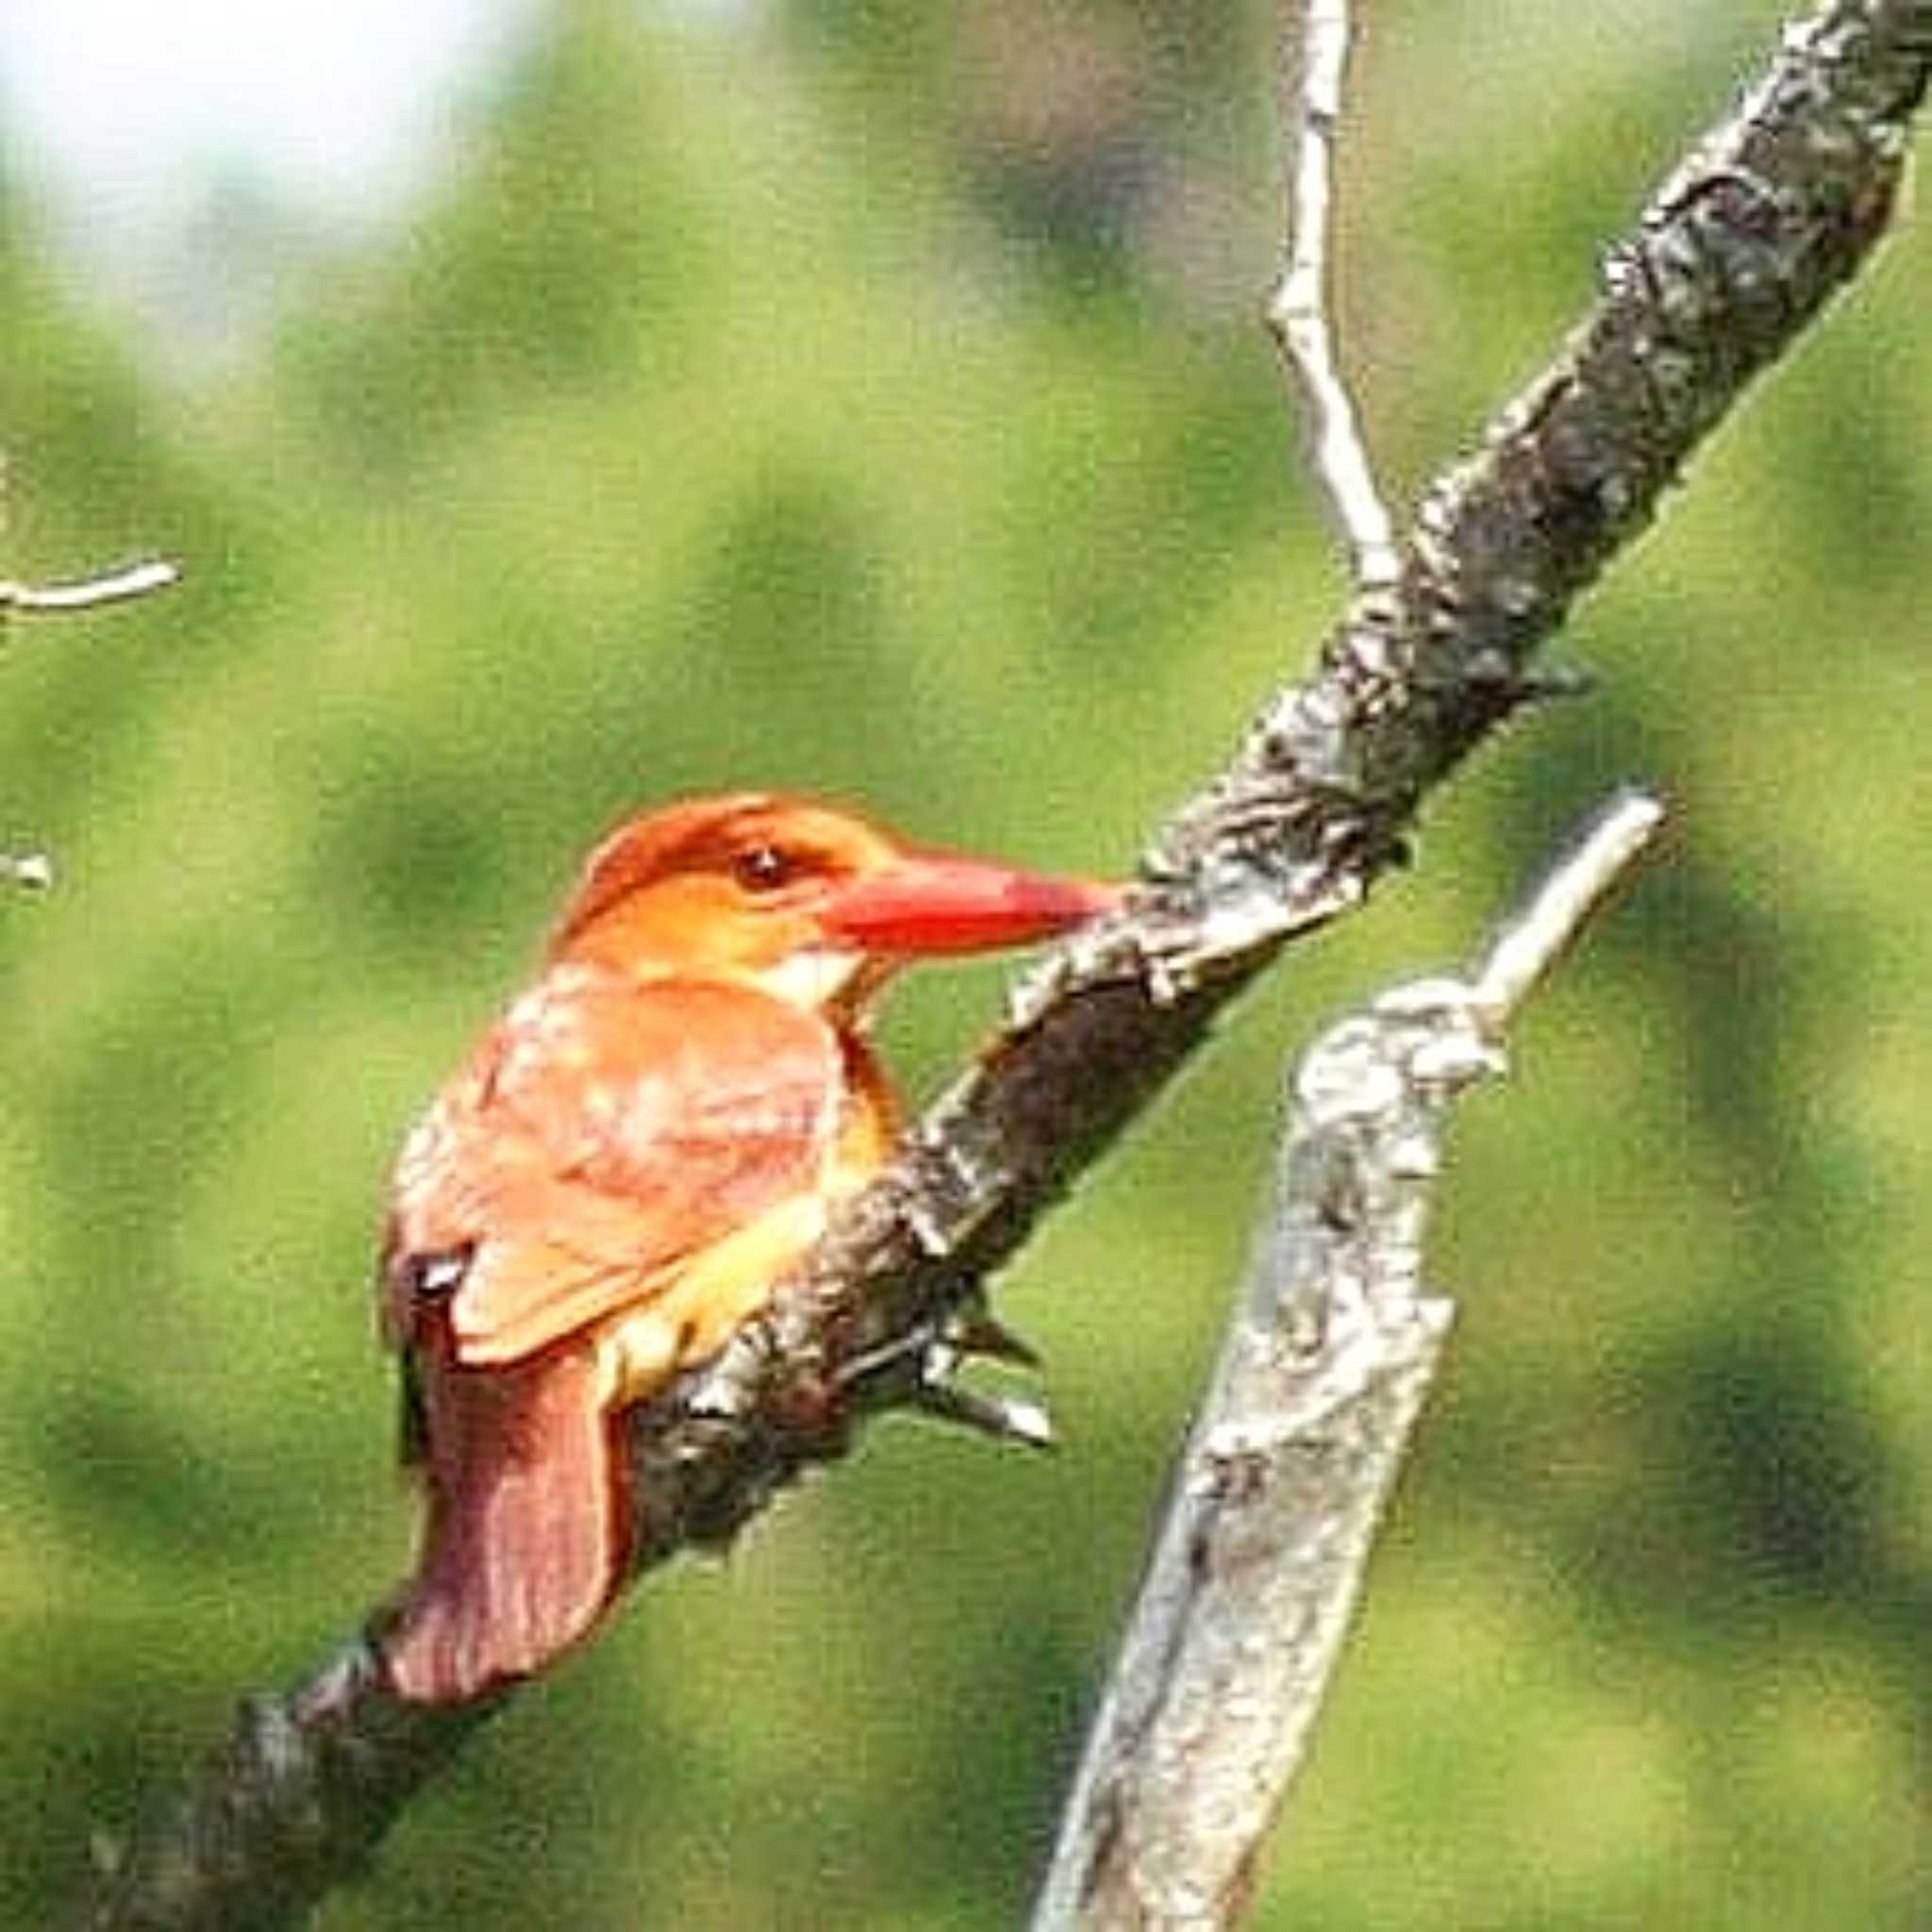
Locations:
(183, 154)
(114, 105)
(187, 156)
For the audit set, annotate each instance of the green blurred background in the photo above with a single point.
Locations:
(866, 396)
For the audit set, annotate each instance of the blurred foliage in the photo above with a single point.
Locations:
(865, 398)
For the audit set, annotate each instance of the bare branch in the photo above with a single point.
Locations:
(1735, 258)
(1333, 1348)
(1298, 311)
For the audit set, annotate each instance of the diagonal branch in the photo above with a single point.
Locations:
(1739, 252)
(1733, 258)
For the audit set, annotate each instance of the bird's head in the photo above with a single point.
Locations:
(808, 902)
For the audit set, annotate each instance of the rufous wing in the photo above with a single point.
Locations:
(604, 1134)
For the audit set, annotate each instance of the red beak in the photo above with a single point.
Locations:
(940, 902)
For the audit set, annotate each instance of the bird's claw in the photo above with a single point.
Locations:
(928, 1364)
(974, 1329)
(1005, 1418)
(970, 1330)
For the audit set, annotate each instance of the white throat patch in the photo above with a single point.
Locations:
(816, 979)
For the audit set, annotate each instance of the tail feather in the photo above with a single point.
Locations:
(524, 1540)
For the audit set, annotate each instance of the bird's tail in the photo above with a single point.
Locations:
(524, 1540)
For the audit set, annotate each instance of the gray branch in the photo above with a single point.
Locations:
(1332, 1349)
(1732, 262)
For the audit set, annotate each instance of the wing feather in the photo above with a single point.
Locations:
(603, 1133)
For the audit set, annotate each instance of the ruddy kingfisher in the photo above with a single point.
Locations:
(621, 1171)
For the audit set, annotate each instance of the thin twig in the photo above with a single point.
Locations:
(117, 586)
(33, 871)
(1298, 310)
(1532, 941)
(1332, 1350)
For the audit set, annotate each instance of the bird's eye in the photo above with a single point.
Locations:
(765, 868)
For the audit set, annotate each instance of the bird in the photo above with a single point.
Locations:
(617, 1175)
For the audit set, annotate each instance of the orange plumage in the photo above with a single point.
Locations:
(617, 1176)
